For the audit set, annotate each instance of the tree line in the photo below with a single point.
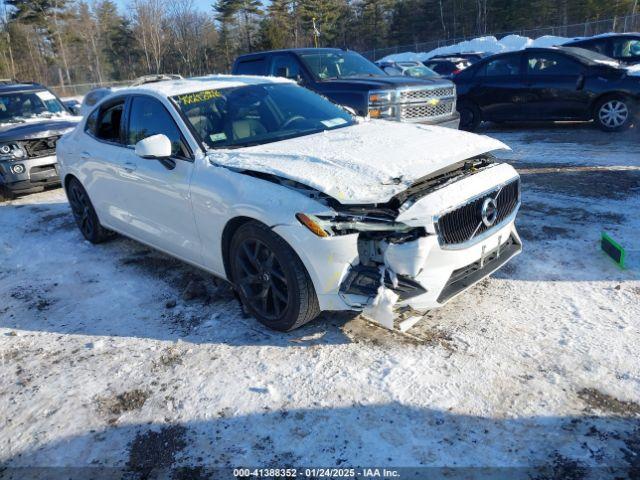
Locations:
(63, 42)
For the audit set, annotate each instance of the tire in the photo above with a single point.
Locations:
(470, 116)
(6, 194)
(84, 213)
(613, 114)
(270, 279)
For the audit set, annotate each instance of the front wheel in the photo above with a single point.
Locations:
(270, 278)
(470, 116)
(84, 213)
(613, 114)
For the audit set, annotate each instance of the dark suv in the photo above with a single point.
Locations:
(349, 79)
(32, 119)
(623, 47)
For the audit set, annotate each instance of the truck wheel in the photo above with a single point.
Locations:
(613, 114)
(5, 194)
(270, 279)
(84, 213)
(470, 116)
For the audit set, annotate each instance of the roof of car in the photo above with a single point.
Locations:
(605, 35)
(8, 86)
(169, 88)
(294, 50)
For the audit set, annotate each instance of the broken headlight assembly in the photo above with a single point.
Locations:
(11, 151)
(333, 225)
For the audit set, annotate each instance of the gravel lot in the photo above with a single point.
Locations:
(118, 356)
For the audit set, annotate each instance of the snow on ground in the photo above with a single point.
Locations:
(489, 44)
(115, 355)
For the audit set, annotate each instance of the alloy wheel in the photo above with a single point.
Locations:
(81, 208)
(613, 114)
(261, 279)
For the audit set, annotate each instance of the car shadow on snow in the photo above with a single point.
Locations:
(383, 435)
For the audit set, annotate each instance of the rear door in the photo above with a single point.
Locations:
(498, 88)
(158, 191)
(102, 163)
(555, 84)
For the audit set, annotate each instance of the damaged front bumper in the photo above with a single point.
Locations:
(447, 240)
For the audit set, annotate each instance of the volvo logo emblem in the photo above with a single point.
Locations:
(489, 212)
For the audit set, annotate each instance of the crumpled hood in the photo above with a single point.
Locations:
(365, 163)
(37, 128)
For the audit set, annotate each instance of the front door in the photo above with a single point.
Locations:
(555, 87)
(159, 197)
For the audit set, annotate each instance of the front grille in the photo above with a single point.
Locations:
(423, 111)
(410, 95)
(40, 147)
(465, 222)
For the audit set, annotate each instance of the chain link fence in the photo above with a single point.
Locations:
(624, 24)
(81, 89)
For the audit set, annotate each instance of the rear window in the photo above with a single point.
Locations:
(253, 66)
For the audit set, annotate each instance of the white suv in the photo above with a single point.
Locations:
(300, 206)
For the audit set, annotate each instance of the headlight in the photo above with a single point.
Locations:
(11, 151)
(326, 226)
(381, 104)
(378, 97)
(382, 112)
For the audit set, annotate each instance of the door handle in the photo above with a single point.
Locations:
(129, 166)
(85, 155)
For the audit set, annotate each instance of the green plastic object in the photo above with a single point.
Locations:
(613, 249)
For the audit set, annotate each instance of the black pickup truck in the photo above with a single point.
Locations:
(348, 79)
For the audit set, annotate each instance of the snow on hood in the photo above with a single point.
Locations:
(366, 163)
(481, 44)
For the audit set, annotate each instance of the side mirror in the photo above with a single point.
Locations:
(580, 82)
(75, 109)
(154, 147)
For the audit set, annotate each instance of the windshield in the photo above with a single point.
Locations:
(419, 71)
(257, 114)
(331, 65)
(20, 106)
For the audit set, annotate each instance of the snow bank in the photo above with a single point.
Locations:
(482, 44)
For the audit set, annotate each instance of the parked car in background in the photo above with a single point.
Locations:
(93, 97)
(623, 47)
(473, 57)
(73, 104)
(447, 66)
(410, 69)
(548, 84)
(32, 120)
(299, 205)
(349, 79)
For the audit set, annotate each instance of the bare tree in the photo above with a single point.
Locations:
(149, 17)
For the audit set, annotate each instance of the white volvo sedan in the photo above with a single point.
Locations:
(300, 206)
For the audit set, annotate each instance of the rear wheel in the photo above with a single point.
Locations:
(271, 280)
(613, 114)
(84, 213)
(470, 116)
